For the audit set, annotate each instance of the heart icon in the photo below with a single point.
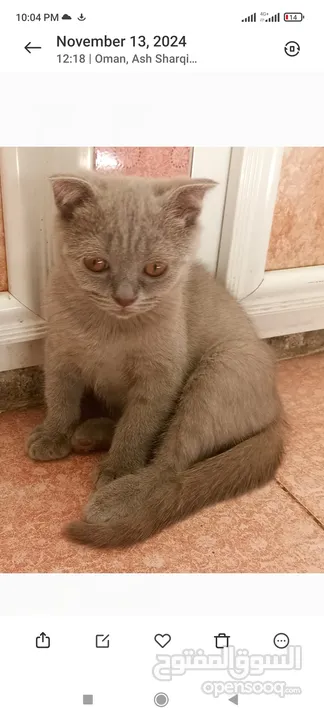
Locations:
(162, 640)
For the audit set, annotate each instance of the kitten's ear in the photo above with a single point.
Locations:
(70, 192)
(185, 202)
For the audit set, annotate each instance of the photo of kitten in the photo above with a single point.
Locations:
(137, 321)
(161, 359)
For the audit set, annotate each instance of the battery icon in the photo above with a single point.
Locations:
(293, 17)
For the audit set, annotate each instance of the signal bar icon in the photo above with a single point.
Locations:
(274, 18)
(250, 18)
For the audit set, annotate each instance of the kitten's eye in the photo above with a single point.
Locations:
(155, 269)
(96, 264)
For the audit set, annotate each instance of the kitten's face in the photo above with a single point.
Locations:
(127, 241)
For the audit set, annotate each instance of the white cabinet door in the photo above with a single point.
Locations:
(279, 301)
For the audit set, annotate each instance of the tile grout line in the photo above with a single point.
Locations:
(316, 520)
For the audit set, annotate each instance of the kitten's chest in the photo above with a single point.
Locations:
(103, 362)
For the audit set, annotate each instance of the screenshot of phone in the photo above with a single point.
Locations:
(161, 360)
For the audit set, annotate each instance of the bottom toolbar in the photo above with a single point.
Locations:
(136, 667)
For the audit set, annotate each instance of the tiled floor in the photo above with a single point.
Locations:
(277, 529)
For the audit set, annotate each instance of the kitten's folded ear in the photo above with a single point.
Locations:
(70, 192)
(185, 202)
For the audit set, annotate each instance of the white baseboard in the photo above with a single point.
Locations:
(21, 355)
(21, 335)
(288, 301)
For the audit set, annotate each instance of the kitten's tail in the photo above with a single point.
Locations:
(245, 467)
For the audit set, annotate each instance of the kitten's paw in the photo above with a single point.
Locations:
(111, 468)
(115, 502)
(120, 514)
(94, 434)
(43, 445)
(106, 472)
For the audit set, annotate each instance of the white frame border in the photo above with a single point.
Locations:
(280, 302)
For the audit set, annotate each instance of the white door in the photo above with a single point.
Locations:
(281, 301)
(27, 206)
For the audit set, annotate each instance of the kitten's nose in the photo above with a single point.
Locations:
(124, 300)
(124, 294)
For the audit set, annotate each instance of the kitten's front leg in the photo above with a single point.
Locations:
(149, 405)
(63, 392)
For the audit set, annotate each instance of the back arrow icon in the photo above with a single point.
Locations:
(30, 47)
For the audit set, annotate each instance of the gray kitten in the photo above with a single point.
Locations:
(195, 417)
